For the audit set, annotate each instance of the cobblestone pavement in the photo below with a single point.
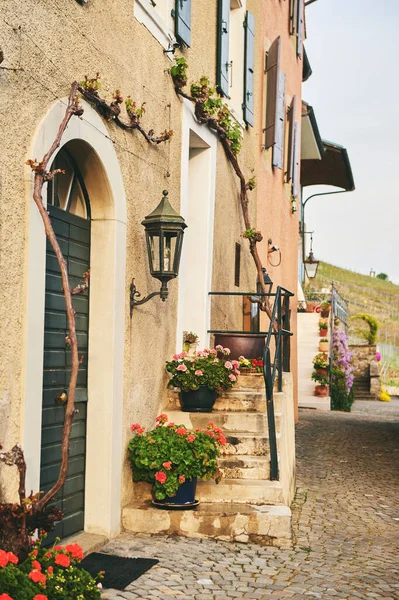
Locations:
(346, 524)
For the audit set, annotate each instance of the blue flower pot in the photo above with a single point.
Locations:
(183, 499)
(201, 400)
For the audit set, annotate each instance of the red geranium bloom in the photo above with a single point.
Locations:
(221, 439)
(182, 479)
(50, 570)
(167, 465)
(12, 558)
(35, 552)
(190, 438)
(181, 431)
(63, 560)
(75, 550)
(161, 477)
(38, 577)
(5, 597)
(36, 565)
(161, 419)
(3, 558)
(40, 597)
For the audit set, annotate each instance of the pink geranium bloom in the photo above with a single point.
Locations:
(167, 465)
(228, 365)
(235, 364)
(176, 356)
(182, 479)
(198, 372)
(236, 371)
(190, 438)
(182, 368)
(232, 377)
(214, 352)
(219, 347)
(181, 431)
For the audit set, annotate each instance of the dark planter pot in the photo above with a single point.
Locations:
(325, 313)
(250, 345)
(321, 391)
(183, 499)
(201, 400)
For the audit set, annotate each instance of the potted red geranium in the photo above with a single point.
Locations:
(172, 458)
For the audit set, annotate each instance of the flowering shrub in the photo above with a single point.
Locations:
(254, 365)
(320, 361)
(342, 395)
(47, 574)
(169, 454)
(384, 396)
(207, 367)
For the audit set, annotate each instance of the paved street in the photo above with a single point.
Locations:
(346, 523)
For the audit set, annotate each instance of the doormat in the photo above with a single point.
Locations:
(119, 571)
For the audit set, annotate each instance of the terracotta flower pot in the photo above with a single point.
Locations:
(321, 371)
(323, 332)
(311, 307)
(321, 391)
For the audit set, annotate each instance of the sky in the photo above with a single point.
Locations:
(352, 47)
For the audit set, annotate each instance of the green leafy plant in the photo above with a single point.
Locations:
(92, 85)
(254, 365)
(372, 334)
(251, 185)
(341, 399)
(47, 574)
(179, 72)
(320, 361)
(169, 455)
(189, 337)
(207, 367)
(324, 340)
(322, 325)
(320, 378)
(252, 234)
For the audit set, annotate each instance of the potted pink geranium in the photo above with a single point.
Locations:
(201, 377)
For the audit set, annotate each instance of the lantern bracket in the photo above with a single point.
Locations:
(134, 293)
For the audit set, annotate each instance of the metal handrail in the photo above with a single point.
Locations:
(279, 329)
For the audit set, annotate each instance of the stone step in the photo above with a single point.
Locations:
(314, 402)
(266, 525)
(243, 443)
(240, 421)
(243, 466)
(252, 491)
(233, 401)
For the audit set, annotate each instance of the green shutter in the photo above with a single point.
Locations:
(222, 75)
(278, 148)
(249, 69)
(183, 21)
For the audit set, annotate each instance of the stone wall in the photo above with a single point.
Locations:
(366, 366)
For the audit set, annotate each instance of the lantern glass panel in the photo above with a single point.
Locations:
(311, 269)
(154, 252)
(169, 251)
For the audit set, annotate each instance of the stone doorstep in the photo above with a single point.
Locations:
(252, 491)
(267, 525)
(314, 402)
(90, 542)
(236, 401)
(245, 467)
(244, 421)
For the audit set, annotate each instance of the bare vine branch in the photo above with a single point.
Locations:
(216, 121)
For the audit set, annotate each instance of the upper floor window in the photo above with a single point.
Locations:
(168, 20)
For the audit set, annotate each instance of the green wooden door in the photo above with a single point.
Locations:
(73, 234)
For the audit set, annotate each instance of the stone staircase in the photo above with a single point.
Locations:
(362, 389)
(245, 505)
(308, 346)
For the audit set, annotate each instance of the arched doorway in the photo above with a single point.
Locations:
(68, 205)
(88, 206)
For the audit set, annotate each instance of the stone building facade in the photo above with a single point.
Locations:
(116, 179)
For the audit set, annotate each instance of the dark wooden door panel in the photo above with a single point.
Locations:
(73, 234)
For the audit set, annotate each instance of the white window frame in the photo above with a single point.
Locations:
(146, 14)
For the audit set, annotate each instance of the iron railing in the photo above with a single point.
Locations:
(279, 331)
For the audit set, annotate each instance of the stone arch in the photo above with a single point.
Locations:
(87, 139)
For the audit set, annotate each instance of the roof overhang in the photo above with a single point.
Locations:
(312, 147)
(334, 168)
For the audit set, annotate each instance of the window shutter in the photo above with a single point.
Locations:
(300, 28)
(296, 157)
(291, 122)
(278, 148)
(272, 70)
(222, 78)
(293, 16)
(183, 21)
(249, 66)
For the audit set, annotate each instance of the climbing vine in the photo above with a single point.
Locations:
(90, 90)
(371, 335)
(210, 110)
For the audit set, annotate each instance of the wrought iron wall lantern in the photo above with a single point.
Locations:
(311, 264)
(164, 230)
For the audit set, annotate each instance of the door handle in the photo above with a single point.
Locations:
(62, 397)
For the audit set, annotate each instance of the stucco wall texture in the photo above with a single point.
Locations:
(50, 44)
(274, 216)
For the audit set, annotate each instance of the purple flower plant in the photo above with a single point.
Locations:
(342, 357)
